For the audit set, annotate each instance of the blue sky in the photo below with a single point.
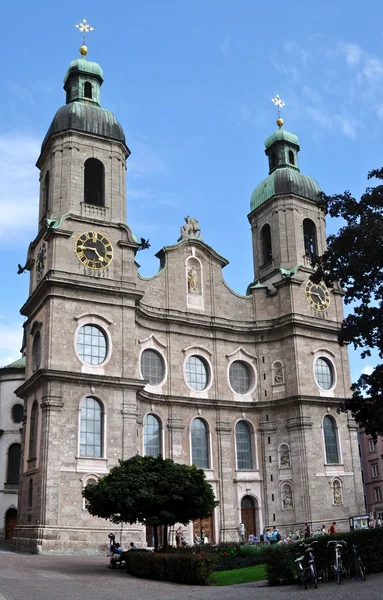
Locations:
(191, 82)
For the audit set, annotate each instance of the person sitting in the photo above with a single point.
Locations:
(132, 546)
(116, 557)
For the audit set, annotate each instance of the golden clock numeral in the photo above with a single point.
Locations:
(81, 255)
(87, 262)
(94, 236)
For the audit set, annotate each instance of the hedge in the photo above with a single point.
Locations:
(279, 559)
(193, 569)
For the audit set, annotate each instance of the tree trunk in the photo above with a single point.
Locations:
(155, 534)
(165, 538)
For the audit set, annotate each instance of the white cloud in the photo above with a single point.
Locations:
(19, 186)
(353, 53)
(368, 369)
(11, 337)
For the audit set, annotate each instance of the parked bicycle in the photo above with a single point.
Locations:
(311, 569)
(359, 566)
(338, 567)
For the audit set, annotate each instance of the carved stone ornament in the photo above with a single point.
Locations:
(190, 229)
(287, 500)
(285, 458)
(337, 493)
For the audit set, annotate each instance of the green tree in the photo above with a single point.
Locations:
(152, 491)
(354, 257)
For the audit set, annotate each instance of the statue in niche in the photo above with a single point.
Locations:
(337, 494)
(278, 374)
(191, 229)
(285, 458)
(287, 500)
(192, 280)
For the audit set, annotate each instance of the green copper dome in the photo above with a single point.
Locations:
(282, 149)
(281, 135)
(84, 66)
(284, 181)
(82, 111)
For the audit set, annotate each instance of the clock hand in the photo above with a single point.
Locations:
(101, 258)
(98, 254)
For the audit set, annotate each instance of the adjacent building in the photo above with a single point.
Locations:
(372, 471)
(11, 423)
(244, 386)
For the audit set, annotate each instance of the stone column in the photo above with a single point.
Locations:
(176, 427)
(298, 428)
(129, 425)
(226, 487)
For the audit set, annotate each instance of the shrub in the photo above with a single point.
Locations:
(280, 568)
(193, 569)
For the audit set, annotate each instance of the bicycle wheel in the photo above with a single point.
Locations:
(302, 578)
(361, 571)
(314, 576)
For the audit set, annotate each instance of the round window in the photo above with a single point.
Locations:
(197, 373)
(240, 377)
(152, 367)
(17, 413)
(324, 373)
(36, 351)
(92, 344)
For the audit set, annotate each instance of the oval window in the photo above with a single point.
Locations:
(92, 345)
(17, 413)
(324, 373)
(240, 377)
(152, 367)
(197, 373)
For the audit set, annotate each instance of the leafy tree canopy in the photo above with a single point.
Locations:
(152, 491)
(354, 257)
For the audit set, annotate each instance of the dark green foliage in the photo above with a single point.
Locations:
(192, 569)
(227, 556)
(153, 491)
(354, 257)
(279, 559)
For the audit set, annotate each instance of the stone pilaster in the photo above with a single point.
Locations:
(227, 493)
(176, 428)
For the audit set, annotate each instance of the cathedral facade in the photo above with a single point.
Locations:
(178, 364)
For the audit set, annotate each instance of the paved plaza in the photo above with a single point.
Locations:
(32, 577)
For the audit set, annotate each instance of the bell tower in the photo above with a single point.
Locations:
(287, 225)
(83, 155)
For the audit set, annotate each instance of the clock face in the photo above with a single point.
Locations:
(94, 250)
(40, 261)
(317, 295)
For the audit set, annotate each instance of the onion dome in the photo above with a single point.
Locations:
(282, 149)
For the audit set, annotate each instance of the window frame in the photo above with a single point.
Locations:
(251, 444)
(102, 432)
(160, 435)
(250, 371)
(208, 444)
(329, 356)
(11, 471)
(93, 160)
(267, 257)
(375, 470)
(102, 331)
(378, 494)
(104, 325)
(331, 367)
(207, 364)
(337, 440)
(22, 415)
(160, 383)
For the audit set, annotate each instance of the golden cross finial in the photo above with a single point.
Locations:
(84, 28)
(279, 104)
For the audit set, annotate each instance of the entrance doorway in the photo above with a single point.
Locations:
(10, 523)
(248, 515)
(208, 527)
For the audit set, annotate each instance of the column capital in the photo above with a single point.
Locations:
(51, 403)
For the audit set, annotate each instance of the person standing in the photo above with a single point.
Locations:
(333, 528)
(307, 531)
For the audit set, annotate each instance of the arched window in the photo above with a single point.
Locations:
(267, 253)
(273, 160)
(30, 494)
(287, 496)
(291, 157)
(33, 430)
(17, 413)
(91, 428)
(152, 366)
(284, 456)
(243, 443)
(200, 444)
(13, 470)
(310, 238)
(330, 440)
(94, 187)
(36, 351)
(87, 90)
(46, 192)
(152, 436)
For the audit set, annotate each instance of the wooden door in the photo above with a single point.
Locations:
(10, 523)
(208, 527)
(248, 516)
